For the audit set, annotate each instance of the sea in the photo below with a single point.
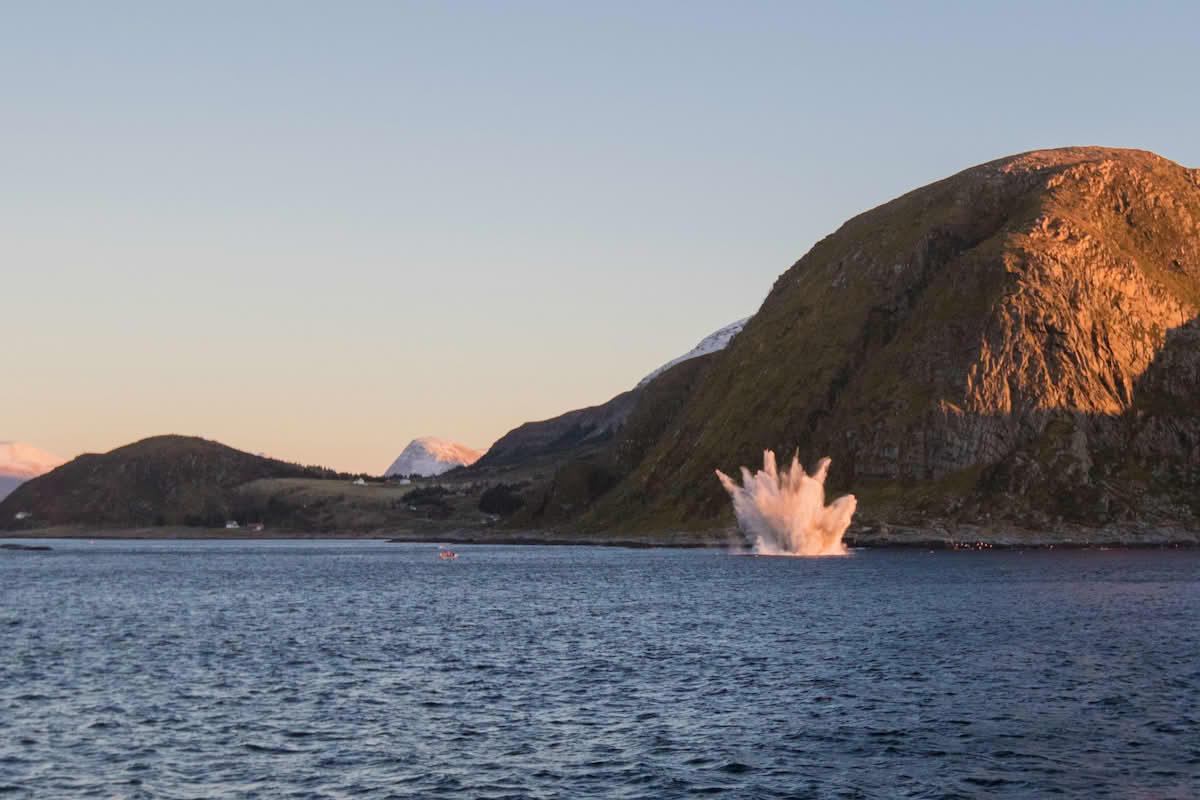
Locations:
(363, 669)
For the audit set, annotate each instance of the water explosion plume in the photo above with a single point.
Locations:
(786, 514)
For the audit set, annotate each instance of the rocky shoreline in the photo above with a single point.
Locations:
(936, 535)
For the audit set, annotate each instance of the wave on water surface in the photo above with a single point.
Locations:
(364, 670)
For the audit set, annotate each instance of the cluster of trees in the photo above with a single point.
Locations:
(502, 499)
(327, 473)
(431, 500)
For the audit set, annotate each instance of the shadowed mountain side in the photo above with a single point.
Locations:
(163, 480)
(558, 436)
(583, 478)
(584, 432)
(942, 332)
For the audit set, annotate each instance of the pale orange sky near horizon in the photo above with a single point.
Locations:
(320, 234)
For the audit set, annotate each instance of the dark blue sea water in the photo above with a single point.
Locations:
(372, 670)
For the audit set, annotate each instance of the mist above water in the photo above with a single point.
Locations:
(786, 515)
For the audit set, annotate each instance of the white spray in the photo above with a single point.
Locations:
(786, 514)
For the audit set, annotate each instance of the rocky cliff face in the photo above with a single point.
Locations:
(1021, 332)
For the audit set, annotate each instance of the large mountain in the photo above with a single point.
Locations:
(1017, 341)
(155, 481)
(575, 432)
(19, 462)
(430, 455)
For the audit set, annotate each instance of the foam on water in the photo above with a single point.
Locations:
(785, 514)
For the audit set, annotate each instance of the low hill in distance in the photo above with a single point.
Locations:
(163, 480)
(188, 486)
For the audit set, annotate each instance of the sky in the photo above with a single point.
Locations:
(321, 229)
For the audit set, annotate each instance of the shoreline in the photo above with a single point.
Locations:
(935, 536)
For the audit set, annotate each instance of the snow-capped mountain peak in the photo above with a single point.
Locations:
(709, 344)
(430, 455)
(21, 460)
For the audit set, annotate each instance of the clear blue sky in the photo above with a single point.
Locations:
(322, 229)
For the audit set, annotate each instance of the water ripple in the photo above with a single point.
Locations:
(364, 670)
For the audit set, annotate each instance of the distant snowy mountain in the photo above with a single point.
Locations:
(709, 344)
(19, 462)
(430, 455)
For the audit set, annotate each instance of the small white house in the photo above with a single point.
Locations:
(23, 514)
(405, 481)
(360, 482)
(231, 524)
